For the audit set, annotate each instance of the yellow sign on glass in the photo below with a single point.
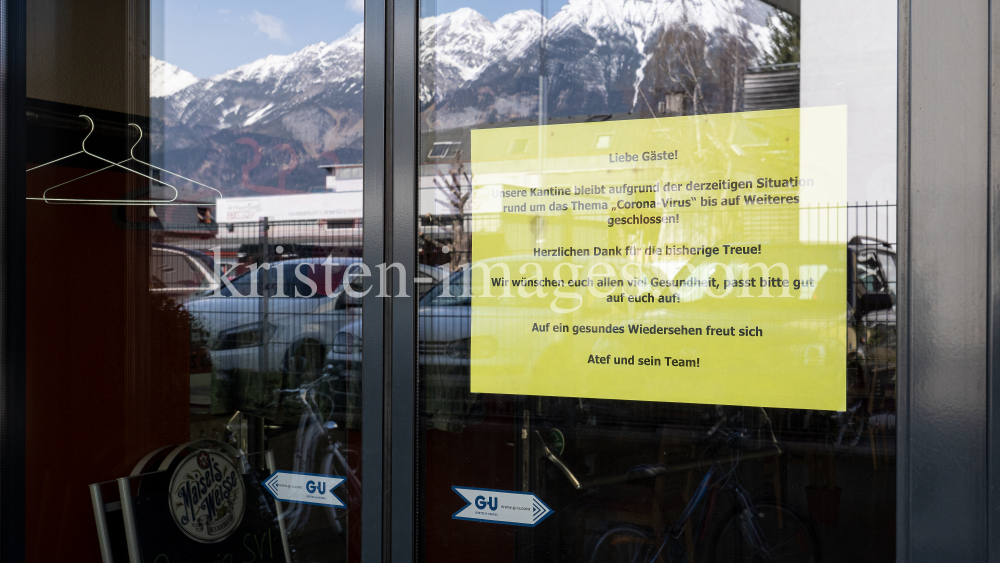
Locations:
(691, 259)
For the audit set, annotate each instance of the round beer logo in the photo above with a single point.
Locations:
(207, 496)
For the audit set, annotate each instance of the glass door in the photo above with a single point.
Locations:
(666, 327)
(194, 215)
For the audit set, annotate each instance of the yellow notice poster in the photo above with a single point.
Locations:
(689, 259)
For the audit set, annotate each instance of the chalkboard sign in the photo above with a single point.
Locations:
(207, 506)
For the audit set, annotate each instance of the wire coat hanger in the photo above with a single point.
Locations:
(83, 150)
(83, 147)
(132, 154)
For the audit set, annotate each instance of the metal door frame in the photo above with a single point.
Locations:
(948, 459)
(13, 310)
(389, 337)
(948, 296)
(948, 409)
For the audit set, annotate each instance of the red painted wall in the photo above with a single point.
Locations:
(107, 373)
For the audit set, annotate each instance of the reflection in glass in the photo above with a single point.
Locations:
(643, 480)
(194, 324)
(282, 135)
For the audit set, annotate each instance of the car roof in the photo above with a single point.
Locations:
(205, 258)
(319, 260)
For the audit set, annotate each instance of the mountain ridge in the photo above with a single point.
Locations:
(472, 71)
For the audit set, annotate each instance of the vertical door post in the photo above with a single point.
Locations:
(13, 367)
(403, 217)
(375, 186)
(944, 214)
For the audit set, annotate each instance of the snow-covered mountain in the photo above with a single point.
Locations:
(595, 54)
(296, 108)
(472, 70)
(166, 79)
(456, 47)
(312, 96)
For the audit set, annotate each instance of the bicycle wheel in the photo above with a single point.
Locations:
(786, 538)
(623, 544)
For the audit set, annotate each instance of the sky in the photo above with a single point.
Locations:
(208, 38)
(492, 9)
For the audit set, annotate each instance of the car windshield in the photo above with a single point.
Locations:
(877, 273)
(453, 291)
(295, 277)
(887, 261)
(175, 271)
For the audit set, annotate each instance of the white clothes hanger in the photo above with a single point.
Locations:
(83, 150)
(132, 154)
(81, 201)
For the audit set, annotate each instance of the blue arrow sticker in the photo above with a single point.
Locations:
(306, 488)
(501, 507)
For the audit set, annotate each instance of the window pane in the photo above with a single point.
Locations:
(652, 212)
(209, 225)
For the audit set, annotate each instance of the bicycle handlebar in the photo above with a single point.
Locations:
(587, 483)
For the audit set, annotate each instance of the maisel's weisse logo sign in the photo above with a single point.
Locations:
(208, 505)
(207, 496)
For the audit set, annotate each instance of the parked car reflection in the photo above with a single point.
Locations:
(180, 273)
(305, 307)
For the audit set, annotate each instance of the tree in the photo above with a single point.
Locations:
(704, 66)
(784, 29)
(680, 64)
(456, 187)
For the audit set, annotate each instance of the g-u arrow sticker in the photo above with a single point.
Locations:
(501, 507)
(306, 488)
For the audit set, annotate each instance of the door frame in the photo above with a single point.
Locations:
(13, 310)
(948, 456)
(389, 383)
(945, 129)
